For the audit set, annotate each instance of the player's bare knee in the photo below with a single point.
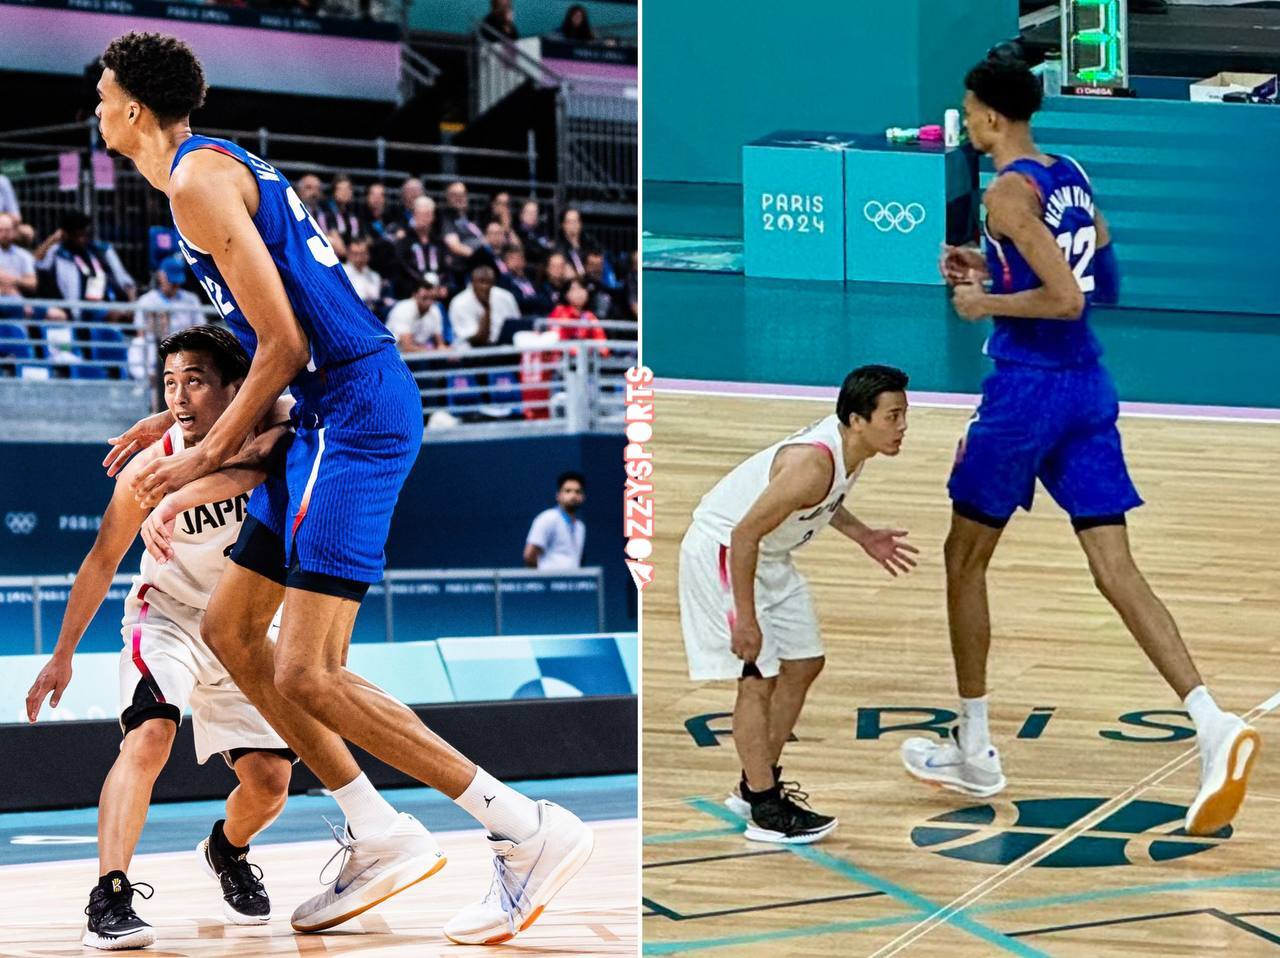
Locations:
(265, 775)
(965, 555)
(302, 684)
(149, 744)
(1114, 575)
(802, 671)
(755, 689)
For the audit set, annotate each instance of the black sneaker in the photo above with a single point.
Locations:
(736, 799)
(784, 817)
(245, 900)
(113, 925)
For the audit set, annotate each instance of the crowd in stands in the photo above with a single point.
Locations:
(437, 274)
(576, 25)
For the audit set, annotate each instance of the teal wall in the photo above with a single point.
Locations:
(533, 17)
(1190, 193)
(719, 73)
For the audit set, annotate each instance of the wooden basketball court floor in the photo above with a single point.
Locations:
(595, 914)
(1081, 855)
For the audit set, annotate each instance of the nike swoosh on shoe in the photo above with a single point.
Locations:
(339, 891)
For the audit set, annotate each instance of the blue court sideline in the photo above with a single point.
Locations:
(176, 826)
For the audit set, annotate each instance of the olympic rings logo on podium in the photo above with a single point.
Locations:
(893, 216)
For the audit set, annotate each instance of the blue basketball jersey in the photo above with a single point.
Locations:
(338, 325)
(1066, 198)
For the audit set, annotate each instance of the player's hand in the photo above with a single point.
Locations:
(54, 677)
(169, 474)
(958, 263)
(136, 438)
(746, 639)
(157, 530)
(968, 300)
(894, 556)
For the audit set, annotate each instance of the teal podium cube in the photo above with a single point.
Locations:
(902, 202)
(793, 206)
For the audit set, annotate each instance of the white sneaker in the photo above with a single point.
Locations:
(1227, 753)
(373, 869)
(947, 764)
(526, 876)
(736, 803)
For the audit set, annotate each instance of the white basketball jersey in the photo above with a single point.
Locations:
(202, 540)
(723, 507)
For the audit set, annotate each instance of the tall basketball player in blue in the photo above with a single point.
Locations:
(275, 279)
(1049, 412)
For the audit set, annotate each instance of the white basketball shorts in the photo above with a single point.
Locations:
(788, 623)
(166, 668)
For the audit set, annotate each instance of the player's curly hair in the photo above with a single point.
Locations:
(159, 72)
(1004, 82)
(861, 389)
(229, 357)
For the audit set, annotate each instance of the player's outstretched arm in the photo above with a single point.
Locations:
(1013, 211)
(801, 476)
(120, 523)
(210, 207)
(881, 545)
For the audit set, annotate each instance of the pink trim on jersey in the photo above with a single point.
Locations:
(137, 642)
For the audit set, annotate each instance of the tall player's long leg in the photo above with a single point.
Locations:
(1148, 621)
(968, 551)
(309, 669)
(235, 628)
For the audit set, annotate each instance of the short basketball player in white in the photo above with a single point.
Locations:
(746, 611)
(165, 667)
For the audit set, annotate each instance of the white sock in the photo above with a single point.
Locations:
(501, 809)
(973, 713)
(368, 813)
(1201, 706)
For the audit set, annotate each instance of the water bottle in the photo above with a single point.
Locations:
(1051, 73)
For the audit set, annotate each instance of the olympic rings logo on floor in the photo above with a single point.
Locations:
(893, 216)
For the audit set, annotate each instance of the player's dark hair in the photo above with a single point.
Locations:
(571, 477)
(1004, 82)
(159, 72)
(861, 389)
(229, 357)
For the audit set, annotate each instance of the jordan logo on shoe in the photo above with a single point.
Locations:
(488, 799)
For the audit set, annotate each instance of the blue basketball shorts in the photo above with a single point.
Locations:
(1055, 425)
(359, 430)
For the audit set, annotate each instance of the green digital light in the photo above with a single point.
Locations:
(1095, 49)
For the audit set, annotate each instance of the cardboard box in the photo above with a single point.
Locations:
(1212, 90)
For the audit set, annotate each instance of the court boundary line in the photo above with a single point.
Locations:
(1184, 412)
(976, 893)
(187, 852)
(861, 876)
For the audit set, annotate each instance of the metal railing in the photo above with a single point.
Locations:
(541, 383)
(55, 588)
(597, 128)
